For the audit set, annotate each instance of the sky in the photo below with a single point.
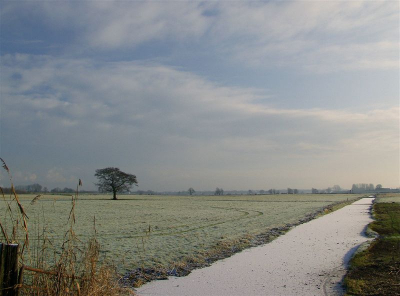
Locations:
(232, 94)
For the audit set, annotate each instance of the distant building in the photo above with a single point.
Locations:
(384, 190)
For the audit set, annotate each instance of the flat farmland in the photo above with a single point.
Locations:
(180, 226)
(388, 197)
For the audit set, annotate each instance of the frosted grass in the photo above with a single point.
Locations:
(180, 226)
(388, 197)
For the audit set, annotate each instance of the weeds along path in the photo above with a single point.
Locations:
(310, 259)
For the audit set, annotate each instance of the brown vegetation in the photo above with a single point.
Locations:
(74, 268)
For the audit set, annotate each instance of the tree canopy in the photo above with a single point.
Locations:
(114, 180)
(219, 191)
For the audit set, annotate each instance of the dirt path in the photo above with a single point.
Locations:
(309, 260)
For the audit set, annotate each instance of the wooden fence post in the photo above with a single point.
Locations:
(8, 269)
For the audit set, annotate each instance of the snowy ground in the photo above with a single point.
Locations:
(310, 259)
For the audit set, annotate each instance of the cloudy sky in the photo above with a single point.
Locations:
(231, 94)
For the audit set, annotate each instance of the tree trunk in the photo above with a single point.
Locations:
(114, 195)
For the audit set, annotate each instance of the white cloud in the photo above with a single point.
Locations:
(133, 23)
(315, 36)
(152, 116)
(132, 94)
(321, 37)
(93, 99)
(60, 176)
(23, 177)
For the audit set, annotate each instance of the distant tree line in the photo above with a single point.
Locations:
(292, 191)
(34, 188)
(59, 190)
(37, 188)
(113, 177)
(147, 192)
(363, 187)
(333, 189)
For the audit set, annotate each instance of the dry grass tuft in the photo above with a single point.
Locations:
(36, 198)
(83, 277)
(16, 216)
(72, 269)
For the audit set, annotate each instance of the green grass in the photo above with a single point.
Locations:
(182, 229)
(376, 270)
(387, 217)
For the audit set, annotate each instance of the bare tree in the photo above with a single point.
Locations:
(191, 191)
(113, 180)
(219, 191)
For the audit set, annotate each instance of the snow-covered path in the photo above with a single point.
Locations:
(309, 260)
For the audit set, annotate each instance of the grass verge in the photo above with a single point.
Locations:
(376, 270)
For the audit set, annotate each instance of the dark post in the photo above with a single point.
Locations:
(8, 269)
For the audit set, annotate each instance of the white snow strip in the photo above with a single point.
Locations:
(310, 259)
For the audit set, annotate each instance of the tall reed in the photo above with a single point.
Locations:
(75, 268)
